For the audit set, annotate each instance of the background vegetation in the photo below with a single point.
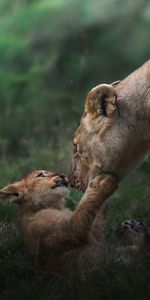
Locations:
(51, 53)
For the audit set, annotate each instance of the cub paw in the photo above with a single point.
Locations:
(133, 226)
(104, 182)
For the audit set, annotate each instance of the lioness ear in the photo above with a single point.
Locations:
(11, 193)
(102, 100)
(109, 105)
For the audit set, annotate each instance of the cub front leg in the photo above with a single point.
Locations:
(99, 189)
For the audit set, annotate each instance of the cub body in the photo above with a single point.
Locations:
(54, 235)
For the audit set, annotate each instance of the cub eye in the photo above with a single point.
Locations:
(141, 223)
(42, 174)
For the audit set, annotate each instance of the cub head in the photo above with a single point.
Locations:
(114, 132)
(38, 190)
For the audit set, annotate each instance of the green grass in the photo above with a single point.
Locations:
(19, 280)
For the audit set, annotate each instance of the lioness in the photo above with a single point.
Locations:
(52, 232)
(114, 135)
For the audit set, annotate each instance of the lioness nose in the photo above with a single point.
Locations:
(65, 180)
(62, 176)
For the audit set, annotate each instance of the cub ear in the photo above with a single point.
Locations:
(11, 193)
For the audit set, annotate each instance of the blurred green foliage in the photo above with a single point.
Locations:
(52, 52)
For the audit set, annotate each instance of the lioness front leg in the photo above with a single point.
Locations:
(99, 189)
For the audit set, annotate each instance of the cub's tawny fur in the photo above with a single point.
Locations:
(52, 232)
(114, 133)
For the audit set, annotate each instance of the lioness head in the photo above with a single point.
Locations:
(117, 138)
(39, 189)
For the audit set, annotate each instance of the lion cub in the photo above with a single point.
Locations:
(50, 230)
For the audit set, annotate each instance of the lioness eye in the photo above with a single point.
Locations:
(75, 150)
(42, 174)
(76, 155)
